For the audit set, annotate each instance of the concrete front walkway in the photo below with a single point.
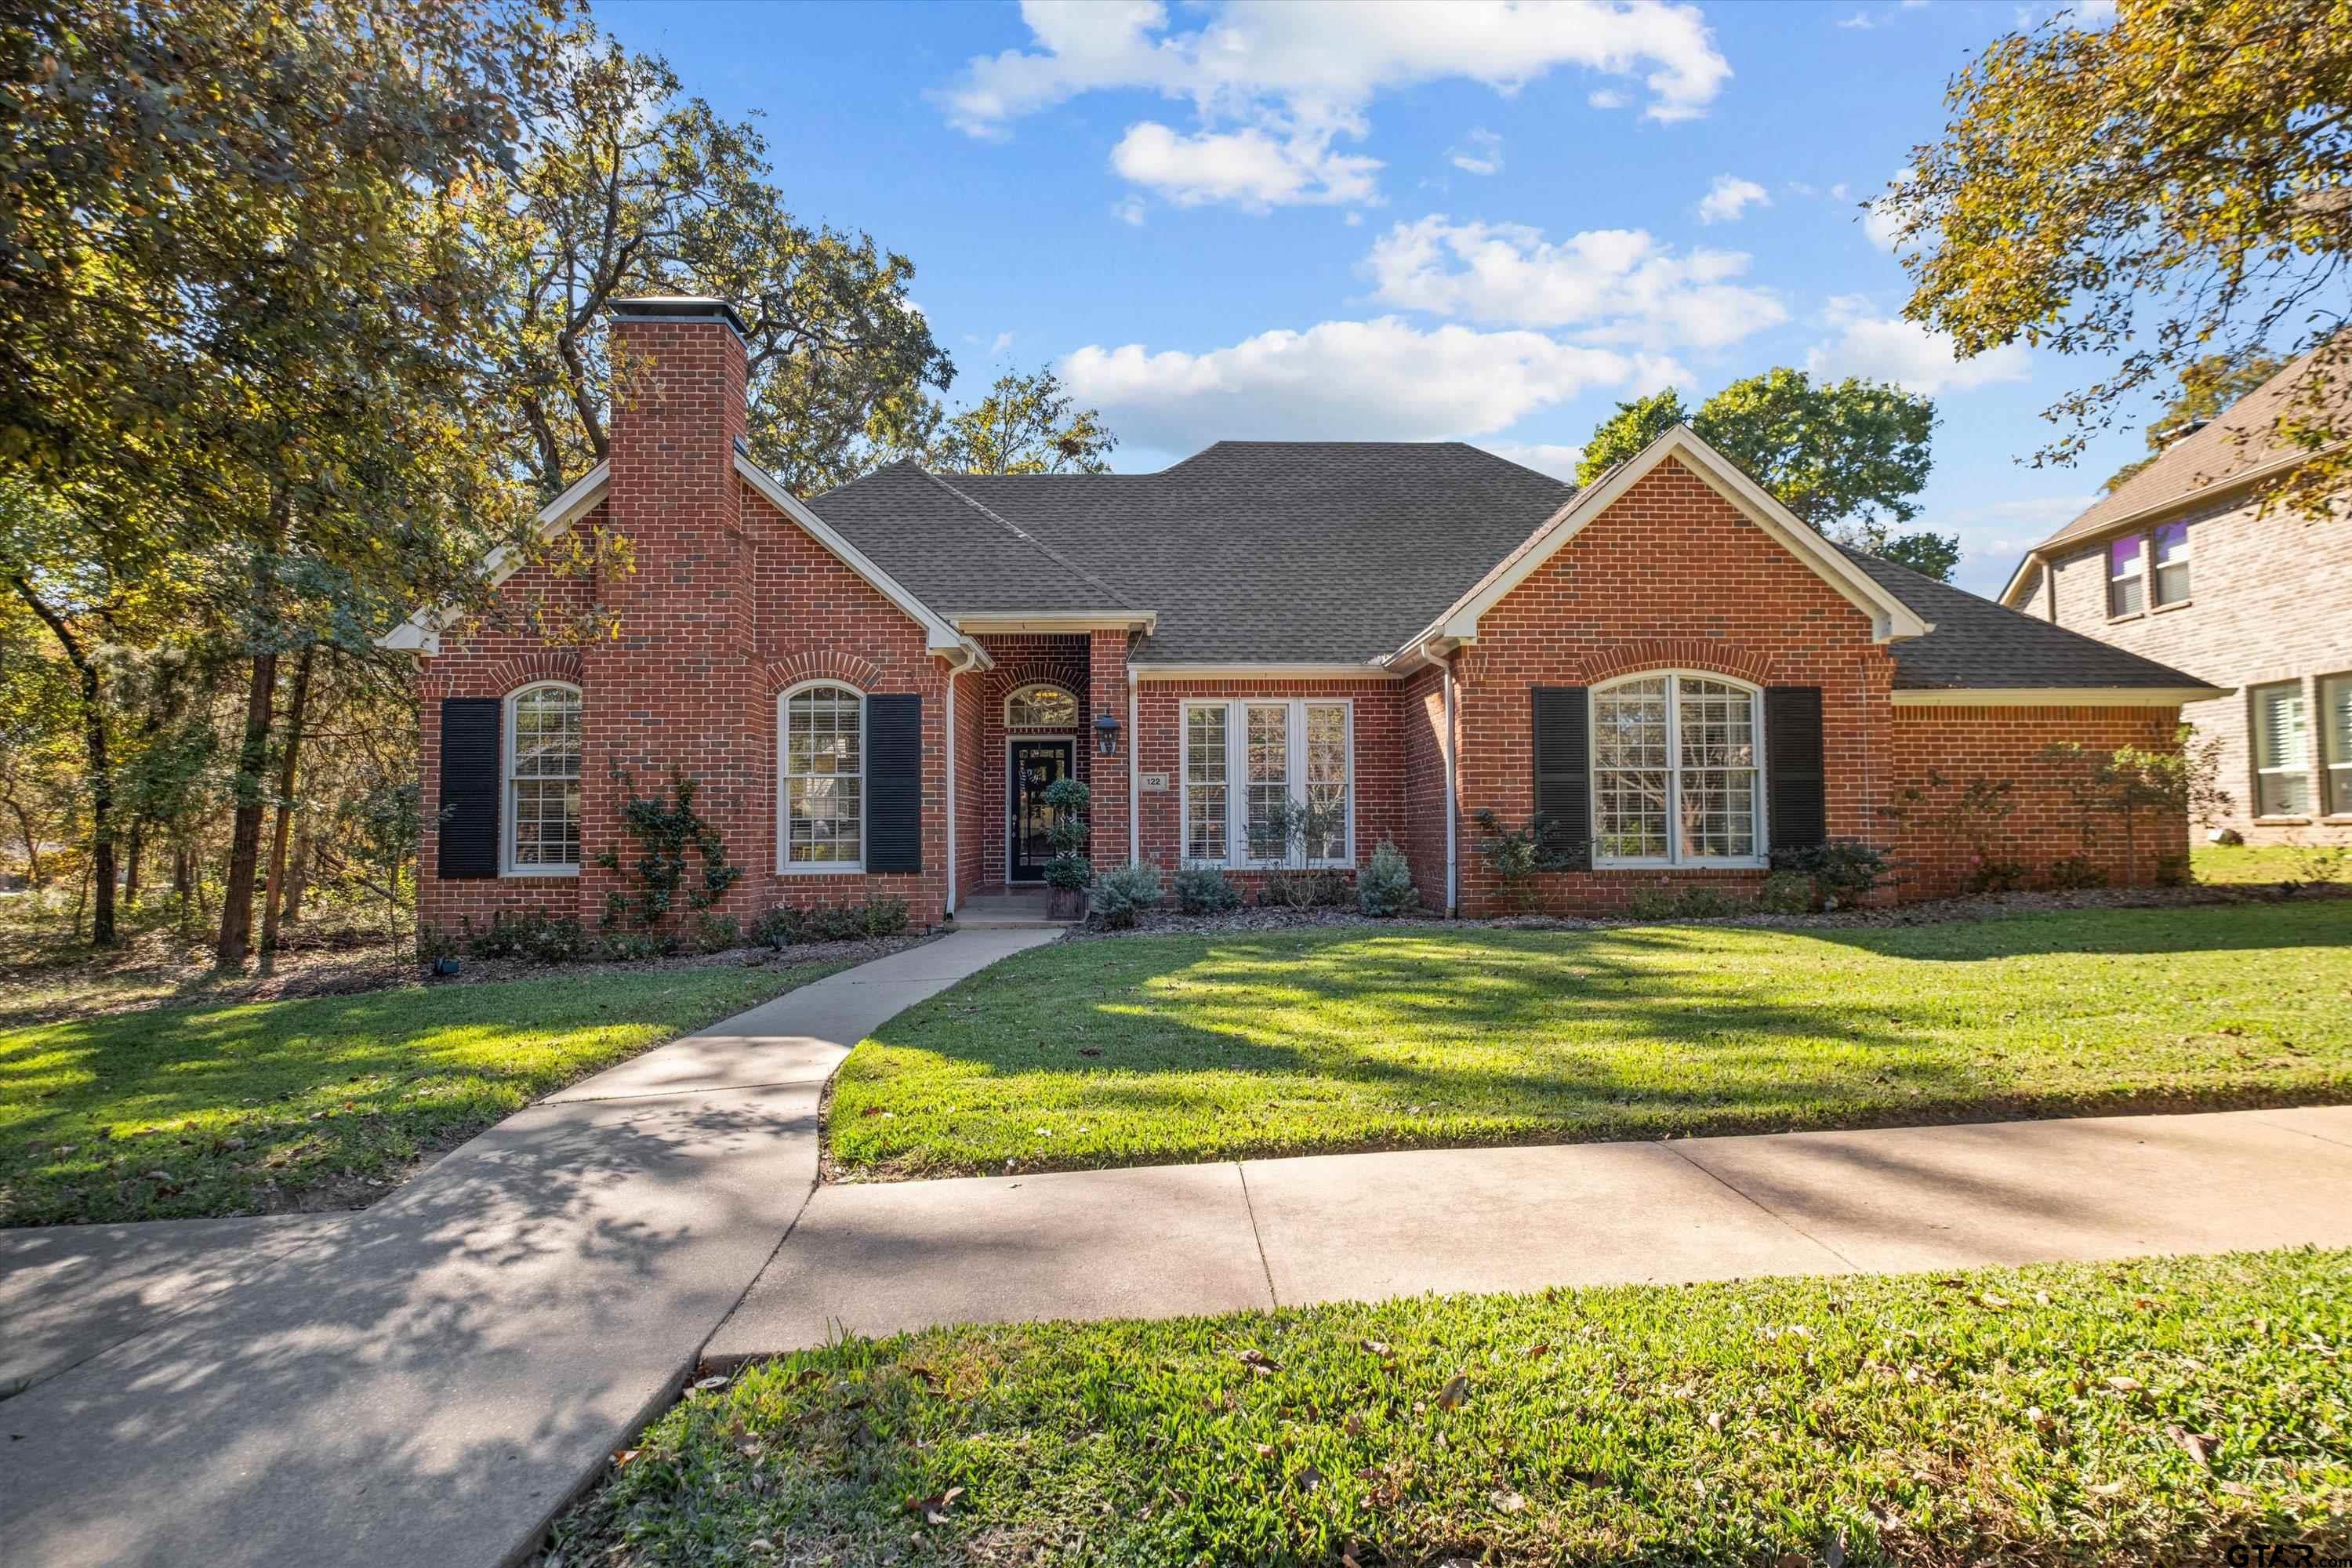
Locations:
(880, 1258)
(425, 1382)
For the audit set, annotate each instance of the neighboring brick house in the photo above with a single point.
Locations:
(2180, 564)
(871, 688)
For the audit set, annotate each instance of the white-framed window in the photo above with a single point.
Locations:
(821, 793)
(2335, 730)
(2282, 751)
(2127, 575)
(1678, 771)
(2170, 544)
(1242, 756)
(1041, 705)
(543, 780)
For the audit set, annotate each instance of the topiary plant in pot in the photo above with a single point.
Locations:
(1067, 873)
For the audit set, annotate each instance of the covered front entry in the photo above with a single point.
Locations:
(1036, 766)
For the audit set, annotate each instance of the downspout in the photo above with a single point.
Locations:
(1134, 776)
(966, 657)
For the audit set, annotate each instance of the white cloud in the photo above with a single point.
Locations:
(1882, 348)
(1882, 220)
(1249, 168)
(1376, 380)
(1729, 197)
(1486, 157)
(1003, 341)
(1299, 72)
(1621, 285)
(1861, 21)
(1128, 210)
(1607, 98)
(1543, 456)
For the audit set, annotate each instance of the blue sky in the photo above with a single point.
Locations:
(1401, 222)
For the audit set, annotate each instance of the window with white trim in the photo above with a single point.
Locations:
(822, 760)
(542, 767)
(1676, 772)
(2335, 727)
(2170, 544)
(1242, 756)
(2127, 575)
(2282, 751)
(1041, 705)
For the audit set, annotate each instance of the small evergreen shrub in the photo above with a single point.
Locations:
(1123, 894)
(1987, 875)
(784, 926)
(1304, 890)
(1708, 904)
(2075, 873)
(717, 934)
(1786, 893)
(1204, 890)
(537, 937)
(1843, 869)
(1384, 888)
(626, 946)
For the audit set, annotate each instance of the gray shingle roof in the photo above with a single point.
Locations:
(1326, 551)
(1979, 644)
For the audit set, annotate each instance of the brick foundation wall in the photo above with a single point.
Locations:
(2268, 601)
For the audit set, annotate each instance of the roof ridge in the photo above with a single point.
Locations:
(1028, 538)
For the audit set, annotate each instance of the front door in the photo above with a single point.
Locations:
(1036, 764)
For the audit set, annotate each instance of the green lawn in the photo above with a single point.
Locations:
(1155, 1049)
(179, 1111)
(2153, 1412)
(2227, 864)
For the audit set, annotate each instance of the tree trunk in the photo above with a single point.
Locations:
(130, 860)
(245, 835)
(102, 782)
(283, 825)
(32, 838)
(298, 872)
(183, 879)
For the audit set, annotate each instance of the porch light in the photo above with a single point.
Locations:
(1107, 734)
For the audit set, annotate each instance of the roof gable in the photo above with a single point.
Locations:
(1890, 617)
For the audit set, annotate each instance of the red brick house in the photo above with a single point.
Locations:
(2183, 562)
(870, 687)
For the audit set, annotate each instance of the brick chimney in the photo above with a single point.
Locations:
(676, 691)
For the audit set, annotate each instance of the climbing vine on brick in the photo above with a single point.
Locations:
(667, 828)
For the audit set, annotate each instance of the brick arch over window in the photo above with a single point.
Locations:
(507, 676)
(824, 665)
(1070, 675)
(1750, 665)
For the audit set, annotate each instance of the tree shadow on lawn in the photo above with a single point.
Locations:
(1284, 1044)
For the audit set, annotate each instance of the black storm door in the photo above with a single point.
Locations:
(1036, 764)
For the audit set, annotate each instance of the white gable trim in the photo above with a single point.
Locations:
(421, 632)
(937, 636)
(1890, 617)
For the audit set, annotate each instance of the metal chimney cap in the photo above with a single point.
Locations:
(679, 308)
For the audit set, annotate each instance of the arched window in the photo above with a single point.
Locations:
(1676, 772)
(1041, 705)
(542, 769)
(822, 794)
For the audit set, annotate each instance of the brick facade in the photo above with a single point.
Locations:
(731, 605)
(2270, 600)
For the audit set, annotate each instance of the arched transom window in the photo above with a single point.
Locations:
(1041, 705)
(1676, 771)
(542, 767)
(822, 798)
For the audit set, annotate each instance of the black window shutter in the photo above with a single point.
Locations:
(1563, 747)
(469, 787)
(894, 783)
(1799, 808)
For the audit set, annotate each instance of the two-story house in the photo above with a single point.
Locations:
(2181, 564)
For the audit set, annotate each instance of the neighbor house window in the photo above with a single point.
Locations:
(2282, 751)
(2336, 724)
(1243, 759)
(1041, 707)
(2171, 544)
(2127, 575)
(824, 797)
(1674, 772)
(543, 725)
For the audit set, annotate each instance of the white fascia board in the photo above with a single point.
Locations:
(2008, 597)
(1303, 671)
(2055, 696)
(421, 632)
(1890, 617)
(939, 637)
(1059, 621)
